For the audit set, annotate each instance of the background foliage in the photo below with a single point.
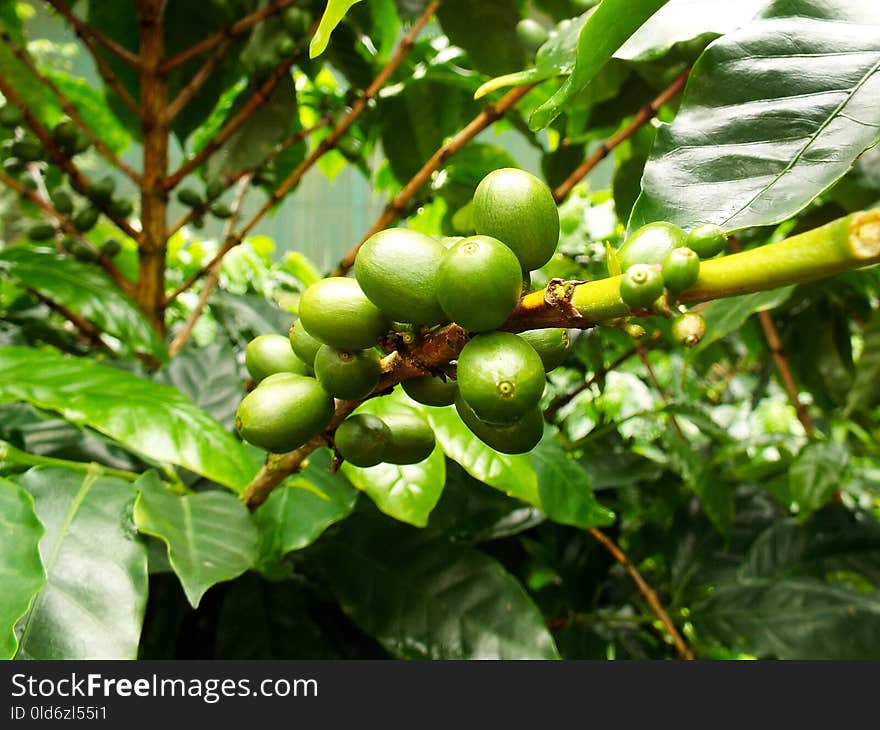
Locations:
(753, 523)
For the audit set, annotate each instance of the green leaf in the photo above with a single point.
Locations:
(210, 377)
(564, 487)
(211, 536)
(85, 290)
(428, 598)
(486, 30)
(333, 15)
(92, 605)
(865, 391)
(726, 316)
(512, 474)
(816, 475)
(20, 565)
(605, 30)
(150, 419)
(773, 114)
(301, 508)
(406, 492)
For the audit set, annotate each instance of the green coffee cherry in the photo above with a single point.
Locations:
(640, 286)
(27, 149)
(11, 115)
(531, 34)
(348, 375)
(64, 134)
(41, 231)
(362, 439)
(221, 210)
(83, 252)
(111, 247)
(431, 391)
(12, 165)
(681, 269)
(190, 197)
(707, 240)
(82, 142)
(86, 219)
(297, 21)
(285, 46)
(214, 189)
(121, 207)
(62, 201)
(412, 440)
(303, 344)
(101, 191)
(689, 328)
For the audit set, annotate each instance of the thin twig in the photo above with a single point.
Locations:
(641, 118)
(649, 594)
(70, 110)
(228, 34)
(79, 181)
(260, 97)
(89, 331)
(397, 207)
(330, 141)
(86, 35)
(233, 178)
(105, 262)
(563, 400)
(213, 279)
(781, 361)
(186, 94)
(84, 29)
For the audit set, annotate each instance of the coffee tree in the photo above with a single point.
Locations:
(623, 407)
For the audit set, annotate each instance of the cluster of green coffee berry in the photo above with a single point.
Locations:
(407, 284)
(83, 205)
(658, 262)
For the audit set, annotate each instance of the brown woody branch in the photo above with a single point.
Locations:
(211, 282)
(397, 206)
(68, 228)
(79, 181)
(227, 34)
(649, 594)
(88, 36)
(259, 98)
(186, 94)
(84, 30)
(69, 109)
(230, 180)
(91, 333)
(641, 118)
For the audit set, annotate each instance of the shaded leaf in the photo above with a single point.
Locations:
(753, 154)
(486, 30)
(429, 598)
(211, 536)
(85, 290)
(20, 565)
(154, 420)
(92, 605)
(865, 391)
(816, 475)
(726, 316)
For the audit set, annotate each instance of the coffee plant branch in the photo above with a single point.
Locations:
(227, 34)
(327, 144)
(849, 243)
(188, 92)
(213, 278)
(641, 118)
(781, 361)
(649, 593)
(68, 227)
(397, 206)
(88, 35)
(70, 110)
(79, 181)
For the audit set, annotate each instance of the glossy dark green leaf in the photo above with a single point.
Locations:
(85, 290)
(564, 487)
(753, 154)
(725, 316)
(154, 420)
(92, 605)
(333, 15)
(486, 30)
(211, 536)
(605, 30)
(512, 474)
(301, 508)
(428, 598)
(21, 569)
(816, 474)
(210, 377)
(406, 492)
